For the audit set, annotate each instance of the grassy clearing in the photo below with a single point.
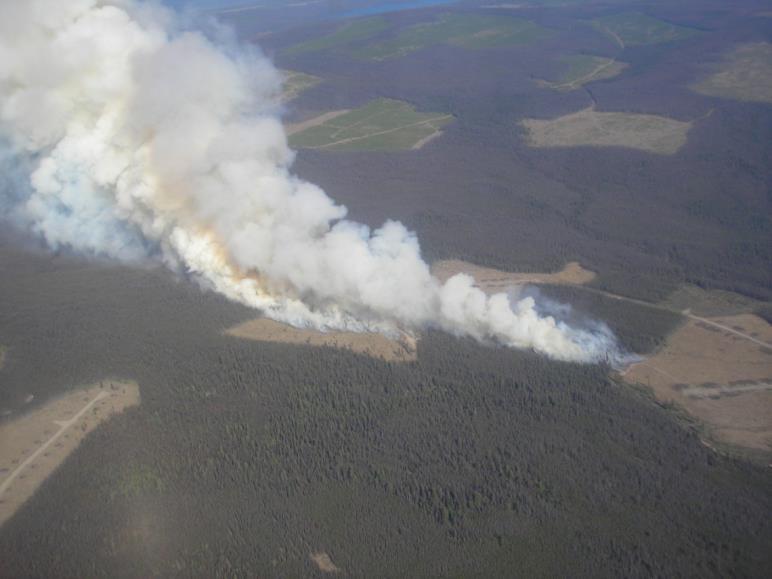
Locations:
(636, 29)
(356, 31)
(3, 350)
(380, 125)
(743, 74)
(580, 69)
(467, 31)
(296, 83)
(650, 133)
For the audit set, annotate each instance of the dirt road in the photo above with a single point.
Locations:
(63, 426)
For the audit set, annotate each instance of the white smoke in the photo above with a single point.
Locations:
(143, 139)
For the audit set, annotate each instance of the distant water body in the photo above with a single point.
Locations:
(391, 7)
(380, 8)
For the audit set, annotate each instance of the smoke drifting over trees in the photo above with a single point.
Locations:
(146, 140)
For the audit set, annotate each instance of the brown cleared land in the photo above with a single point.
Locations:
(34, 445)
(493, 280)
(744, 74)
(324, 563)
(720, 371)
(313, 122)
(650, 133)
(371, 344)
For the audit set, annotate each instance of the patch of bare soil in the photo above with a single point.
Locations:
(493, 280)
(588, 127)
(3, 350)
(324, 563)
(371, 344)
(712, 369)
(34, 445)
(313, 122)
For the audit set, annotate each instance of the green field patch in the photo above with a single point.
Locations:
(580, 69)
(380, 125)
(296, 83)
(467, 31)
(356, 31)
(743, 74)
(636, 29)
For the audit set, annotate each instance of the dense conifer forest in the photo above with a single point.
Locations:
(243, 458)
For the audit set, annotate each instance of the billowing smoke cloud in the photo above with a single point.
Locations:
(144, 140)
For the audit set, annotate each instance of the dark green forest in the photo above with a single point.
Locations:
(244, 458)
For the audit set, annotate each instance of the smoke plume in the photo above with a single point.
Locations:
(139, 139)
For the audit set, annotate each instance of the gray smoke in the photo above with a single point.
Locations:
(139, 139)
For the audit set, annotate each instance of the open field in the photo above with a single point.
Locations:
(717, 374)
(324, 563)
(380, 125)
(636, 29)
(371, 344)
(743, 74)
(464, 30)
(3, 351)
(581, 69)
(493, 280)
(355, 31)
(34, 445)
(297, 82)
(650, 133)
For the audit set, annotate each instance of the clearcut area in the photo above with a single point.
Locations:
(578, 70)
(375, 345)
(743, 74)
(466, 31)
(720, 371)
(296, 83)
(34, 445)
(637, 29)
(381, 125)
(590, 128)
